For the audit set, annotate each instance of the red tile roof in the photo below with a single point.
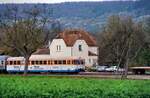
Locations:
(91, 54)
(42, 51)
(70, 37)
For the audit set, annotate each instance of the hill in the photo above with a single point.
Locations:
(89, 15)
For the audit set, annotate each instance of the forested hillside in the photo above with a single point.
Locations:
(88, 15)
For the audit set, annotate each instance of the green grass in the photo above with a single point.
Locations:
(61, 87)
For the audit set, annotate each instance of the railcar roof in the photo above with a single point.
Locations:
(42, 57)
(15, 58)
(47, 57)
(2, 57)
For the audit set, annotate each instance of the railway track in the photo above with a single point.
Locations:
(100, 75)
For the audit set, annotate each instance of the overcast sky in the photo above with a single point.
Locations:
(47, 1)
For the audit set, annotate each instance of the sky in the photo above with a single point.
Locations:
(48, 1)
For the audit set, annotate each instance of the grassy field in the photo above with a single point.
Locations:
(62, 87)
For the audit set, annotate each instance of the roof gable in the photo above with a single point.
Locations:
(70, 37)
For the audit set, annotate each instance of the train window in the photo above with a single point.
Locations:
(41, 62)
(64, 61)
(49, 62)
(18, 62)
(55, 62)
(44, 62)
(59, 62)
(37, 62)
(15, 63)
(10, 62)
(76, 61)
(68, 62)
(32, 62)
(72, 61)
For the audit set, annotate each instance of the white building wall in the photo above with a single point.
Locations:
(75, 49)
(92, 60)
(63, 52)
(81, 54)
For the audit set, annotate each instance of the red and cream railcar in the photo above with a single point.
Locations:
(45, 64)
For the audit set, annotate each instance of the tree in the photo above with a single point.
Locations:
(24, 33)
(144, 55)
(121, 41)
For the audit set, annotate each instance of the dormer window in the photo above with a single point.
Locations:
(58, 48)
(80, 47)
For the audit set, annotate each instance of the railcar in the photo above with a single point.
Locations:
(45, 64)
(3, 63)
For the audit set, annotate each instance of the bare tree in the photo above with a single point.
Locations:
(121, 41)
(24, 33)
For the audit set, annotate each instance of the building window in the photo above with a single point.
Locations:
(80, 47)
(58, 47)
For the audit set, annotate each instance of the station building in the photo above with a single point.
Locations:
(71, 44)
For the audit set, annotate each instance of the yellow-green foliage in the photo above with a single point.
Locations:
(62, 87)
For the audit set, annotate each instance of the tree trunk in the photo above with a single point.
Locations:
(26, 65)
(125, 73)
